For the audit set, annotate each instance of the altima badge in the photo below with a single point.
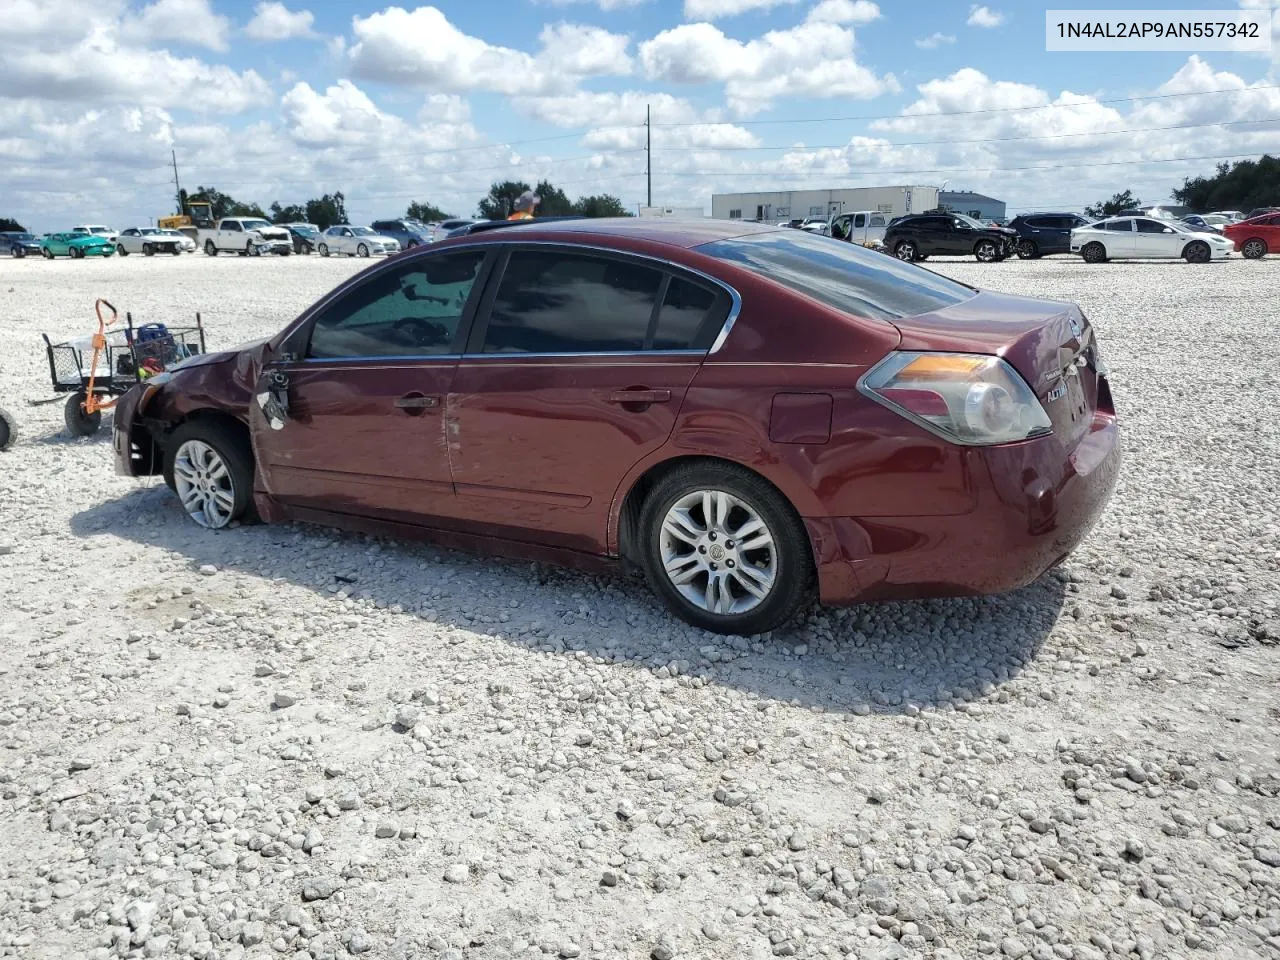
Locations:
(1057, 393)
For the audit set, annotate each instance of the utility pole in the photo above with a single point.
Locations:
(177, 187)
(648, 156)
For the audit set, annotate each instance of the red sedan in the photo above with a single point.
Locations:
(1257, 237)
(744, 412)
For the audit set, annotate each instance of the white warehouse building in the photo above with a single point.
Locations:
(801, 204)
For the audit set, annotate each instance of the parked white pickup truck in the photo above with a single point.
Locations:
(247, 236)
(862, 226)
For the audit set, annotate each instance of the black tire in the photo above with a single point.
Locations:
(1255, 248)
(17, 252)
(1197, 252)
(209, 249)
(46, 253)
(324, 249)
(77, 253)
(121, 250)
(906, 250)
(986, 251)
(176, 251)
(1027, 250)
(1094, 253)
(362, 250)
(148, 250)
(791, 551)
(8, 429)
(79, 423)
(231, 445)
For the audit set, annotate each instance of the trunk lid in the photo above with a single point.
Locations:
(1049, 342)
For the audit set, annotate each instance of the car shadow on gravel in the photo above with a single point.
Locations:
(883, 657)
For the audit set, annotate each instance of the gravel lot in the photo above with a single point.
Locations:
(291, 742)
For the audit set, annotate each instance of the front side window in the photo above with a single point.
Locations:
(231, 225)
(552, 302)
(860, 220)
(842, 275)
(407, 312)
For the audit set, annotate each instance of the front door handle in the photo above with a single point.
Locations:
(640, 396)
(414, 403)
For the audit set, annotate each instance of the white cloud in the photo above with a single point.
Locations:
(273, 21)
(980, 16)
(186, 21)
(935, 40)
(809, 60)
(606, 5)
(713, 9)
(618, 120)
(584, 51)
(844, 11)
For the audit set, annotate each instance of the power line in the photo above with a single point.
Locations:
(922, 143)
(965, 113)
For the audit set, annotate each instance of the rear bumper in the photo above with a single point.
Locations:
(1034, 506)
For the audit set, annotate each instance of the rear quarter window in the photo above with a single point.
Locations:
(845, 276)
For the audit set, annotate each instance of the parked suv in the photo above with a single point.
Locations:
(1040, 234)
(923, 235)
(408, 232)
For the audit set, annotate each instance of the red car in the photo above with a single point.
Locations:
(1257, 237)
(743, 411)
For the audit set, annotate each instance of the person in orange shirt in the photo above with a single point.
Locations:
(524, 206)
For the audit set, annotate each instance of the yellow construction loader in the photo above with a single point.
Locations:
(199, 213)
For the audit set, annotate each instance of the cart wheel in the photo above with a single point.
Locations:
(8, 429)
(79, 422)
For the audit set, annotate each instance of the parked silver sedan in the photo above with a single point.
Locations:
(355, 242)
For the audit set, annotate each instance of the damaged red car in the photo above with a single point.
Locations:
(748, 414)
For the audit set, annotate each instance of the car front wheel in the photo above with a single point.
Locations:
(362, 250)
(209, 249)
(986, 251)
(1094, 253)
(1197, 252)
(1254, 249)
(210, 467)
(121, 250)
(48, 254)
(724, 550)
(324, 249)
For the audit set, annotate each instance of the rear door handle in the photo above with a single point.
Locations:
(640, 396)
(416, 401)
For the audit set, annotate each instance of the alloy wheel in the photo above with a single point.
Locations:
(905, 251)
(718, 552)
(324, 249)
(1198, 253)
(1254, 249)
(1026, 250)
(362, 250)
(1094, 253)
(986, 251)
(203, 484)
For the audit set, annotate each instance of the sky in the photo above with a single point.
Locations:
(269, 100)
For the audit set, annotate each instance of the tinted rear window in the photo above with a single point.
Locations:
(846, 276)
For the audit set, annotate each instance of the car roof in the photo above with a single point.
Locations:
(677, 233)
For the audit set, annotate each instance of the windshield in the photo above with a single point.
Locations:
(843, 275)
(147, 231)
(254, 224)
(306, 229)
(363, 232)
(970, 221)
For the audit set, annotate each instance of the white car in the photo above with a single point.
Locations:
(187, 243)
(1131, 238)
(148, 241)
(96, 230)
(355, 242)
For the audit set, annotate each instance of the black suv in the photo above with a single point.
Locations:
(921, 236)
(1040, 234)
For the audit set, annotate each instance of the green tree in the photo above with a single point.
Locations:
(225, 205)
(604, 205)
(293, 213)
(426, 212)
(498, 203)
(554, 201)
(1235, 186)
(1118, 202)
(11, 226)
(327, 210)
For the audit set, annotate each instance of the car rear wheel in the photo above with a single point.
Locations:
(324, 249)
(724, 550)
(986, 251)
(906, 250)
(1197, 252)
(1254, 249)
(362, 250)
(1027, 250)
(80, 423)
(209, 249)
(210, 467)
(1094, 253)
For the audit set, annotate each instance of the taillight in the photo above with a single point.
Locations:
(966, 398)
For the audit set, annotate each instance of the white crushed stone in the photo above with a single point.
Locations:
(483, 759)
